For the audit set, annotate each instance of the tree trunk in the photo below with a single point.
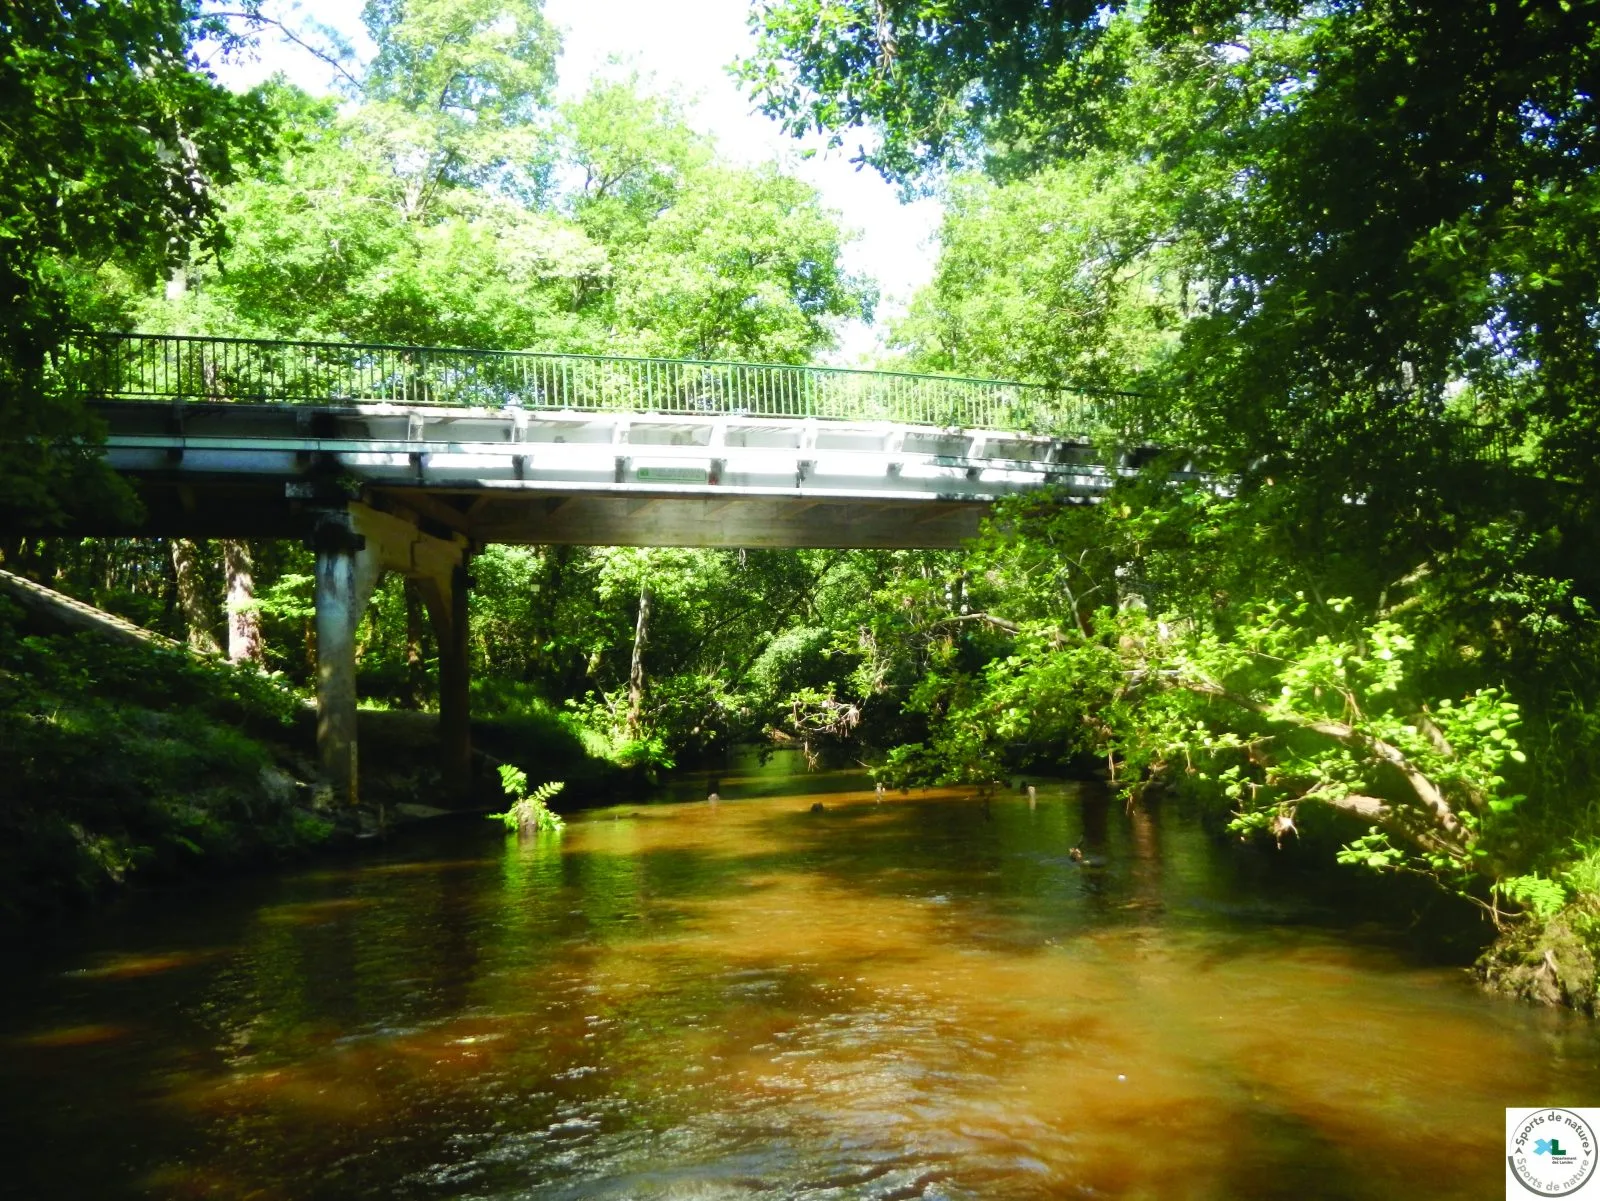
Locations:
(245, 643)
(641, 632)
(199, 616)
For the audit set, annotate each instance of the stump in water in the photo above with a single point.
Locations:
(1547, 962)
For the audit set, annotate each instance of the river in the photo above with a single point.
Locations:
(921, 998)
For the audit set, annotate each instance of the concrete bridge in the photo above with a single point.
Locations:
(396, 458)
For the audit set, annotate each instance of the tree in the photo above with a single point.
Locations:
(116, 139)
(933, 83)
(246, 643)
(1390, 194)
(1071, 276)
(454, 94)
(746, 264)
(190, 566)
(1347, 249)
(326, 243)
(636, 153)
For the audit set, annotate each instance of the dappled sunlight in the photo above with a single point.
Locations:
(130, 967)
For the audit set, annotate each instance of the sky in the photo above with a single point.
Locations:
(683, 46)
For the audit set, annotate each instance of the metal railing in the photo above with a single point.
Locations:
(183, 367)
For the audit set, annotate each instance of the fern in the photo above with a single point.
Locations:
(1544, 897)
(530, 811)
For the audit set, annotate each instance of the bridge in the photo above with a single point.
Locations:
(403, 458)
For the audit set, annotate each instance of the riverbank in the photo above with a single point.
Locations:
(125, 759)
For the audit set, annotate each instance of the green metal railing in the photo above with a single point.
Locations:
(181, 367)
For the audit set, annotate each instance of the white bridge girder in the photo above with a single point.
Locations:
(515, 475)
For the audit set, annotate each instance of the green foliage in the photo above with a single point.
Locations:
(1196, 671)
(932, 81)
(1076, 256)
(1582, 874)
(449, 203)
(123, 762)
(514, 721)
(636, 153)
(1545, 897)
(530, 812)
(114, 145)
(745, 265)
(1343, 249)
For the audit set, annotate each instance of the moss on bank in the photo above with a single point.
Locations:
(1550, 961)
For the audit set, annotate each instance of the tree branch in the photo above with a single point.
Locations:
(999, 623)
(1426, 791)
(292, 36)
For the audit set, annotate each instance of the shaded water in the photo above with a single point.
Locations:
(924, 998)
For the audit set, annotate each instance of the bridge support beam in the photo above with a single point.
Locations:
(446, 600)
(346, 575)
(355, 546)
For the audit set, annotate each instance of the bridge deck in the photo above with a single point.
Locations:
(525, 476)
(240, 436)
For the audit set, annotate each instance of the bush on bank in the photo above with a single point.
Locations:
(120, 763)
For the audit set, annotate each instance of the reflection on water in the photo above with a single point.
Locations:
(920, 998)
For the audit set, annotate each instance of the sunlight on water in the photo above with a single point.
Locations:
(924, 997)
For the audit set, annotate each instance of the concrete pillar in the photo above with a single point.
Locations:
(447, 601)
(355, 546)
(337, 594)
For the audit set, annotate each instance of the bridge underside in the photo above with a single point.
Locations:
(190, 507)
(520, 476)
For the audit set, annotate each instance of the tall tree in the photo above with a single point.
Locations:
(1349, 247)
(641, 637)
(455, 92)
(1393, 196)
(190, 565)
(635, 153)
(116, 139)
(746, 264)
(245, 641)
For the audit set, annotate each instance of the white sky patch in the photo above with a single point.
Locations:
(683, 47)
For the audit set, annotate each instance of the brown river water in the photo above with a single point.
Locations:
(924, 998)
